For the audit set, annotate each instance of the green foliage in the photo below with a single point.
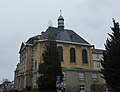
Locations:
(97, 88)
(111, 59)
(50, 68)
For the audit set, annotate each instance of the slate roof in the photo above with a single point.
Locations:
(98, 51)
(33, 39)
(59, 34)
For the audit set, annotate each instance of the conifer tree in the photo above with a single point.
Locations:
(50, 68)
(111, 59)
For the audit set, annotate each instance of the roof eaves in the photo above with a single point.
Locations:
(75, 43)
(59, 41)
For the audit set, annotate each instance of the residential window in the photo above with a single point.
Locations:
(64, 87)
(32, 52)
(97, 56)
(81, 76)
(64, 77)
(32, 66)
(98, 64)
(72, 55)
(35, 65)
(60, 51)
(95, 76)
(32, 59)
(82, 88)
(84, 56)
(72, 37)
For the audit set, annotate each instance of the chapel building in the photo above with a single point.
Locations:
(79, 61)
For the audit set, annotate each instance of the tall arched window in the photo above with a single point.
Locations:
(72, 55)
(84, 56)
(60, 51)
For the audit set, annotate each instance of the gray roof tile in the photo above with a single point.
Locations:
(60, 34)
(64, 35)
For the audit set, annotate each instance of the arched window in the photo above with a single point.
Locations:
(60, 51)
(84, 56)
(72, 55)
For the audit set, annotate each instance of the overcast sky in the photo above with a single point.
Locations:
(22, 19)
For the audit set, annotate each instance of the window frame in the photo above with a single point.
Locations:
(81, 76)
(60, 52)
(64, 76)
(72, 55)
(82, 88)
(95, 76)
(84, 56)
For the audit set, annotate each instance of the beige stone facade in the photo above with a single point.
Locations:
(79, 78)
(23, 72)
(97, 57)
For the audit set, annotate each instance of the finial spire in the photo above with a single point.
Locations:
(60, 12)
(61, 21)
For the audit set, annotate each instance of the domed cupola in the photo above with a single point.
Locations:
(60, 21)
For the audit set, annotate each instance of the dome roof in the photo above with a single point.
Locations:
(60, 17)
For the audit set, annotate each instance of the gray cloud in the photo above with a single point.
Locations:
(21, 19)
